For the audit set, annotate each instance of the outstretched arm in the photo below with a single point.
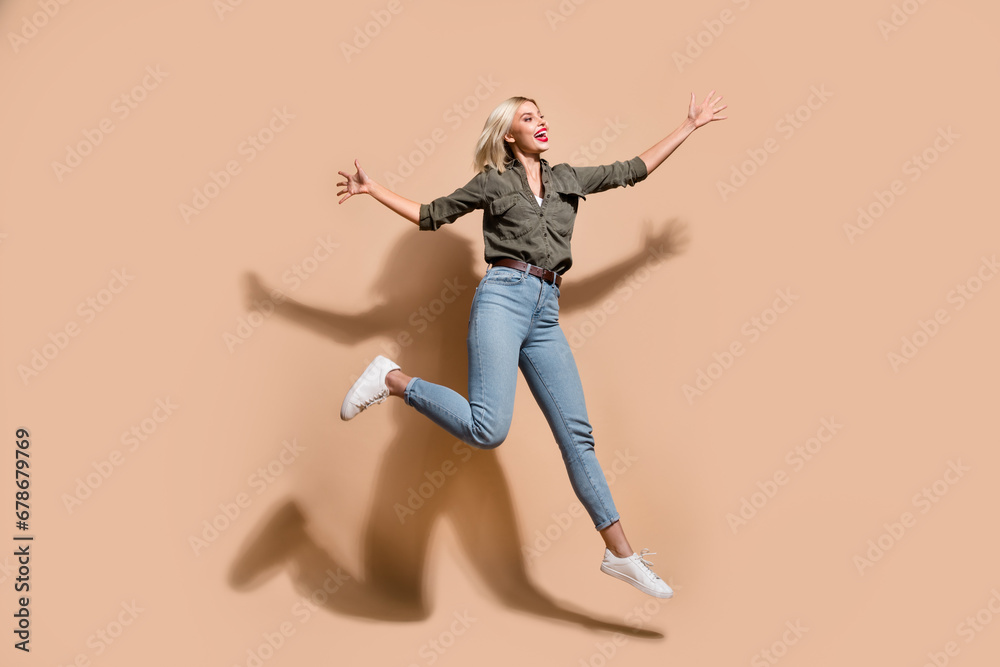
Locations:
(360, 183)
(440, 211)
(698, 115)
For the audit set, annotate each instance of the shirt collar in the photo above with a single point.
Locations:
(517, 163)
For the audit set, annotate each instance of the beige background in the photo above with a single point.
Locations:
(692, 463)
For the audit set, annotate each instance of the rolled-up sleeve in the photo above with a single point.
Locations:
(447, 209)
(615, 175)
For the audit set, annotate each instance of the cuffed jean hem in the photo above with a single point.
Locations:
(601, 526)
(406, 390)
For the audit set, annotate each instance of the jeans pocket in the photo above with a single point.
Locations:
(504, 275)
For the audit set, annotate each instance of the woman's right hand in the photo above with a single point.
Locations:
(359, 184)
(356, 184)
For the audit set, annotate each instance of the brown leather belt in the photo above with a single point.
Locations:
(544, 274)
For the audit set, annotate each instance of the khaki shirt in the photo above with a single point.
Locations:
(514, 224)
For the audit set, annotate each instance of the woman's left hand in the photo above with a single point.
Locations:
(707, 111)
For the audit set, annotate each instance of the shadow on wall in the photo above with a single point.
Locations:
(474, 493)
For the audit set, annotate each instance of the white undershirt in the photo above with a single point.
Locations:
(538, 199)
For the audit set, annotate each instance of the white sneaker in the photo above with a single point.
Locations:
(369, 389)
(635, 570)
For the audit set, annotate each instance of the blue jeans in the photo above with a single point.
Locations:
(514, 323)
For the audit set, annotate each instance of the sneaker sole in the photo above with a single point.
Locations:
(624, 577)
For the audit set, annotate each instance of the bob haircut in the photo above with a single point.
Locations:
(491, 149)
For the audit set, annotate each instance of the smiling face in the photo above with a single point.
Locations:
(528, 132)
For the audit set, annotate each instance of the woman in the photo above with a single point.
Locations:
(529, 209)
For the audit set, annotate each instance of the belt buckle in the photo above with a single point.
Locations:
(541, 271)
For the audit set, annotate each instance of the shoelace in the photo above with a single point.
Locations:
(647, 564)
(377, 398)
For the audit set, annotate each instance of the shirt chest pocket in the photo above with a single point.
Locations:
(512, 216)
(561, 208)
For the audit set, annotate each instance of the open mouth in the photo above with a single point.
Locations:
(542, 135)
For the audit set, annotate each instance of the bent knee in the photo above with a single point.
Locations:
(484, 439)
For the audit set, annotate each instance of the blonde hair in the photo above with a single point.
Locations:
(491, 149)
